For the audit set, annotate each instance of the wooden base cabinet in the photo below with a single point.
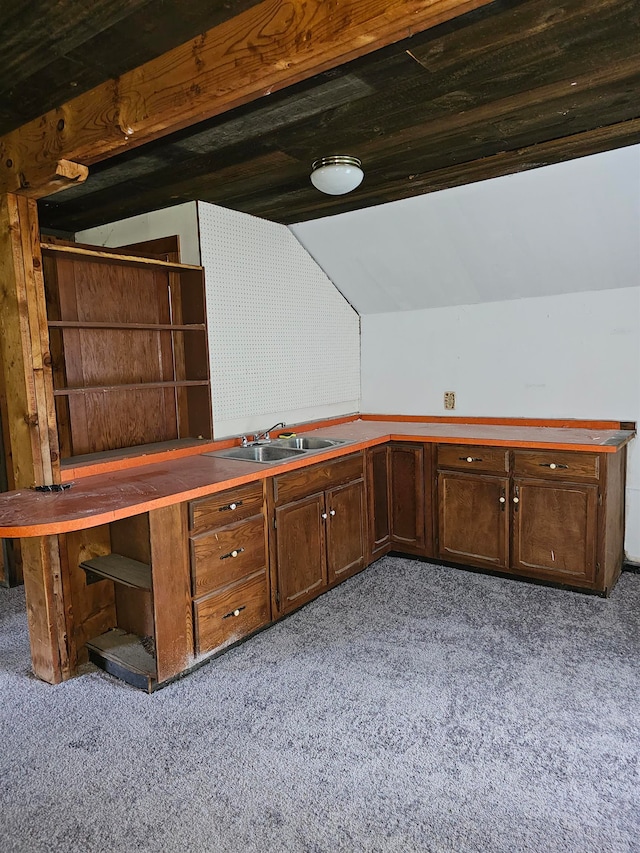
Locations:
(399, 495)
(229, 576)
(345, 524)
(319, 530)
(555, 530)
(301, 559)
(550, 515)
(378, 483)
(473, 522)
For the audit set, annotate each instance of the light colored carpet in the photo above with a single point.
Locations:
(414, 708)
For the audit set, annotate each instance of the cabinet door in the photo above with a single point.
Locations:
(473, 520)
(555, 529)
(300, 551)
(345, 530)
(407, 497)
(378, 482)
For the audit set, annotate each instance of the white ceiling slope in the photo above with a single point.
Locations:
(568, 228)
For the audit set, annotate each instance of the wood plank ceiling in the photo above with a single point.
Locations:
(514, 85)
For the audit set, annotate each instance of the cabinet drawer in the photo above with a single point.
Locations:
(557, 465)
(317, 478)
(469, 457)
(227, 616)
(225, 507)
(223, 556)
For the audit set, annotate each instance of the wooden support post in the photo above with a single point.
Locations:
(31, 422)
(171, 590)
(45, 608)
(31, 419)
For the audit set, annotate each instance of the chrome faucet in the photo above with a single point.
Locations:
(261, 437)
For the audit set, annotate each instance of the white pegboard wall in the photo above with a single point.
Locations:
(281, 337)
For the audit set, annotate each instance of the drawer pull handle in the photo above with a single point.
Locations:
(235, 612)
(552, 465)
(470, 459)
(234, 553)
(231, 506)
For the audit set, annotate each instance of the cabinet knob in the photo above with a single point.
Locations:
(502, 499)
(469, 458)
(324, 515)
(516, 500)
(332, 512)
(553, 466)
(236, 552)
(236, 612)
(233, 506)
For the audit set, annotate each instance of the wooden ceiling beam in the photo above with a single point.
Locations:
(266, 48)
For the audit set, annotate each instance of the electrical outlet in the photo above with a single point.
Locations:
(449, 400)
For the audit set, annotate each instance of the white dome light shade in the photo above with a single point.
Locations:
(337, 175)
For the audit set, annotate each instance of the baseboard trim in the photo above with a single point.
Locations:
(631, 566)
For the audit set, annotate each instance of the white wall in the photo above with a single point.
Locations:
(573, 355)
(284, 344)
(182, 219)
(568, 228)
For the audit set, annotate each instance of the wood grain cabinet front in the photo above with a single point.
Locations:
(378, 498)
(399, 499)
(319, 531)
(229, 572)
(227, 615)
(557, 497)
(473, 519)
(549, 515)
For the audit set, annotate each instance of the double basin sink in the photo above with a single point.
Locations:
(279, 449)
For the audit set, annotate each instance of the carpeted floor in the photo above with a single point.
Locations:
(414, 708)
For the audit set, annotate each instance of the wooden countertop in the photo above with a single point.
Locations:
(108, 496)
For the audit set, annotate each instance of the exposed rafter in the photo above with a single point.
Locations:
(266, 48)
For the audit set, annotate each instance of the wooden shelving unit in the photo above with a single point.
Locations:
(128, 341)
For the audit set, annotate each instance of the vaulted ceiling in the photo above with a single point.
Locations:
(513, 85)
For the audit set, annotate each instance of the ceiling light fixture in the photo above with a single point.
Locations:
(336, 175)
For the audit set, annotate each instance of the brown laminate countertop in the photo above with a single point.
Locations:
(108, 496)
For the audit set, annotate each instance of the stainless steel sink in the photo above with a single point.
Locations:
(303, 443)
(279, 449)
(259, 453)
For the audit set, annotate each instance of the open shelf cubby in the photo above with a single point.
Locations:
(120, 626)
(126, 656)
